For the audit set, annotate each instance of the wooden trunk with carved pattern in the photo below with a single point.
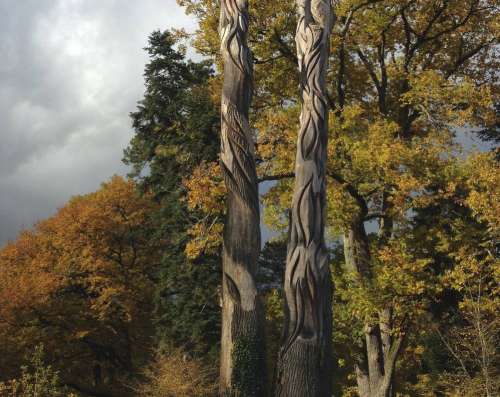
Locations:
(242, 371)
(304, 368)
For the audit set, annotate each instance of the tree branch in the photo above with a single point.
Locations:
(284, 49)
(452, 352)
(464, 57)
(351, 190)
(369, 68)
(276, 177)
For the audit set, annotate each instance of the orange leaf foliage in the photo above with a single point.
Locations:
(81, 278)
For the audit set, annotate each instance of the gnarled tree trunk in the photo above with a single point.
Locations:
(242, 357)
(304, 368)
(377, 352)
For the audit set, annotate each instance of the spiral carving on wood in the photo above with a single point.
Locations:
(237, 159)
(241, 310)
(237, 153)
(307, 277)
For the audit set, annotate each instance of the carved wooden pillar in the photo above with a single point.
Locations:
(242, 368)
(305, 356)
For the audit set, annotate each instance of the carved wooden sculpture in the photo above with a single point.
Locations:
(242, 357)
(305, 359)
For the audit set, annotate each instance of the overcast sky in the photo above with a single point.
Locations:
(70, 73)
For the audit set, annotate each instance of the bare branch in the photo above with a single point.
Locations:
(276, 177)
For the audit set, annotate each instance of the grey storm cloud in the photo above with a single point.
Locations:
(70, 73)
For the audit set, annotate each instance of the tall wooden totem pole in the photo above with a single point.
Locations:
(304, 368)
(242, 369)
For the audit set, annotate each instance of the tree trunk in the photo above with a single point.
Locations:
(357, 251)
(304, 368)
(376, 357)
(242, 368)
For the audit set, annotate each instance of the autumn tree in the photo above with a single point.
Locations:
(404, 77)
(80, 283)
(421, 98)
(465, 233)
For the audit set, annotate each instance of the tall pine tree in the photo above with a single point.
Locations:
(176, 128)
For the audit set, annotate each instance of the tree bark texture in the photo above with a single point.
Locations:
(242, 369)
(377, 353)
(304, 368)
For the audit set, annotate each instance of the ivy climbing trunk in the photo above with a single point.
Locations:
(242, 356)
(304, 368)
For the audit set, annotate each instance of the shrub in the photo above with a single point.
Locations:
(36, 380)
(175, 374)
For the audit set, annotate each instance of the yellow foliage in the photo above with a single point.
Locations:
(206, 195)
(205, 239)
(443, 102)
(206, 189)
(174, 374)
(484, 184)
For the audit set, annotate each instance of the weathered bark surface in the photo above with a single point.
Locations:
(376, 357)
(304, 368)
(242, 357)
(357, 250)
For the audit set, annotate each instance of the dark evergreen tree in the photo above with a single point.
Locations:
(176, 127)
